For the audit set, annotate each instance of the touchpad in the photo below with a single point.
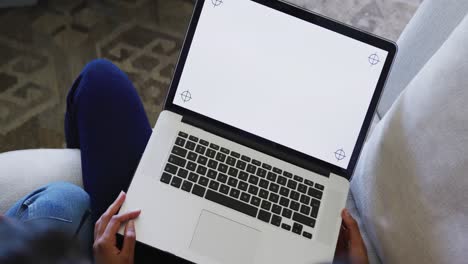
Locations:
(225, 240)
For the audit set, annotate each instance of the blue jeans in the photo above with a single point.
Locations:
(106, 120)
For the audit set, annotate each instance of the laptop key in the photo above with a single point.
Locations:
(315, 203)
(222, 178)
(200, 149)
(302, 188)
(266, 166)
(277, 170)
(294, 195)
(243, 175)
(314, 212)
(305, 199)
(266, 205)
(180, 141)
(191, 166)
(294, 205)
(243, 185)
(235, 154)
(212, 164)
(210, 153)
(286, 227)
(193, 177)
(203, 181)
(192, 156)
(212, 174)
(198, 190)
(276, 220)
(176, 182)
(190, 145)
(286, 213)
(214, 185)
(307, 235)
(220, 157)
(225, 150)
(182, 134)
(177, 160)
(255, 201)
(193, 138)
(284, 201)
(263, 193)
(264, 216)
(222, 168)
(187, 186)
(234, 193)
(282, 180)
(245, 158)
(298, 178)
(251, 168)
(292, 184)
(273, 198)
(303, 219)
(170, 168)
(231, 203)
(224, 189)
(284, 191)
(261, 173)
(276, 209)
(263, 183)
(241, 165)
(204, 142)
(253, 190)
(297, 228)
(271, 176)
(231, 161)
(202, 160)
(253, 179)
(315, 193)
(256, 162)
(182, 173)
(214, 146)
(274, 187)
(245, 197)
(232, 182)
(179, 151)
(233, 172)
(166, 178)
(287, 174)
(319, 186)
(201, 170)
(305, 209)
(309, 182)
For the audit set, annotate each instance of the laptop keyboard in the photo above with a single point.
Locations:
(243, 184)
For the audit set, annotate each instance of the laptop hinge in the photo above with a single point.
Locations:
(269, 150)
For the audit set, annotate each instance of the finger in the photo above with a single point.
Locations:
(111, 211)
(117, 221)
(128, 248)
(352, 225)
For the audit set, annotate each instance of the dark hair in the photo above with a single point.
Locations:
(24, 243)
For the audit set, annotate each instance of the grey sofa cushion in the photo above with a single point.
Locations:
(433, 22)
(411, 183)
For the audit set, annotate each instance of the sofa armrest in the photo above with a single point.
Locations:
(25, 170)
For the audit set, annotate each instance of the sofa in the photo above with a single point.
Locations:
(408, 190)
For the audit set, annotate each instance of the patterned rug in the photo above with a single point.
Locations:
(43, 48)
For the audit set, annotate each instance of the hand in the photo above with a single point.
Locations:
(105, 231)
(351, 248)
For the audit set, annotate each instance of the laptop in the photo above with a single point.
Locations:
(251, 159)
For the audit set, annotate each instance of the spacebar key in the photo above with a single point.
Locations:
(231, 203)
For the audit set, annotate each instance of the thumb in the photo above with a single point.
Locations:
(352, 226)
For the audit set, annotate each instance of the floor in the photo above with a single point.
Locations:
(43, 48)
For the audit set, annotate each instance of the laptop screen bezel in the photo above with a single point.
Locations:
(310, 17)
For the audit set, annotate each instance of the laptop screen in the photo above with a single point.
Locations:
(281, 78)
